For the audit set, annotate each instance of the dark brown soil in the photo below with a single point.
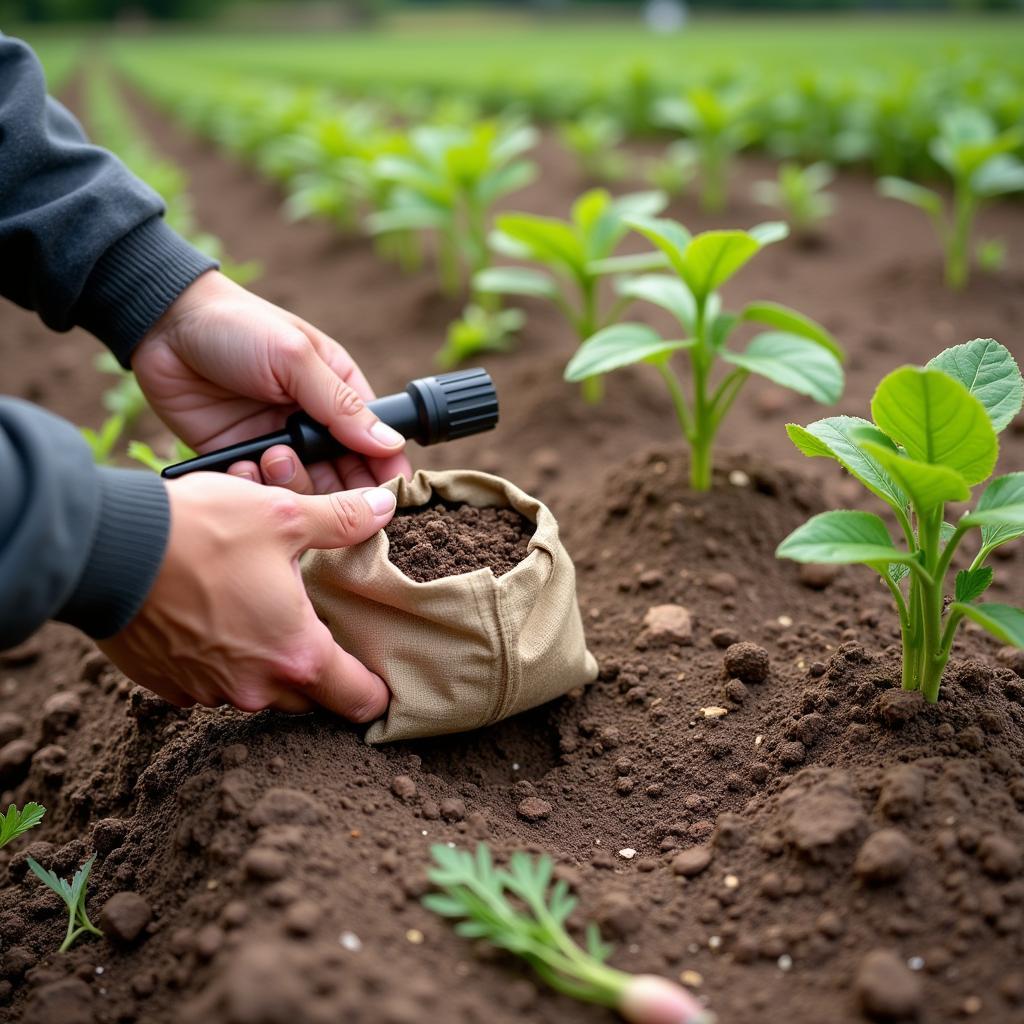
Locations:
(446, 540)
(806, 843)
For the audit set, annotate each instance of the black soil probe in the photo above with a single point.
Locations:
(431, 409)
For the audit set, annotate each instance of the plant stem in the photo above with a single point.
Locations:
(958, 246)
(592, 388)
(932, 662)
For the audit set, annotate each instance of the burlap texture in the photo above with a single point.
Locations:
(464, 651)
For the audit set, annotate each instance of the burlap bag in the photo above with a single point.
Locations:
(463, 651)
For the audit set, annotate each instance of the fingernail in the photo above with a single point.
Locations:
(380, 500)
(245, 474)
(280, 471)
(380, 431)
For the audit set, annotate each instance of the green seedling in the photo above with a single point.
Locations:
(799, 193)
(519, 910)
(479, 330)
(102, 442)
(570, 259)
(982, 164)
(991, 254)
(933, 439)
(125, 398)
(719, 123)
(448, 184)
(593, 139)
(16, 823)
(139, 451)
(674, 172)
(73, 894)
(796, 353)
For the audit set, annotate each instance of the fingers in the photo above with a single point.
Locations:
(328, 398)
(340, 519)
(346, 686)
(280, 467)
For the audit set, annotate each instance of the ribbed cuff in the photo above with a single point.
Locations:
(134, 282)
(127, 551)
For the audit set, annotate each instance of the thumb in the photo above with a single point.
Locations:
(343, 518)
(332, 401)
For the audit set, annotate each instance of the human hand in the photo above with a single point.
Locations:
(228, 619)
(223, 365)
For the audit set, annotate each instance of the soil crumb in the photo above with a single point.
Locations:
(441, 540)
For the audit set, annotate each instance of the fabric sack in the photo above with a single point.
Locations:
(463, 651)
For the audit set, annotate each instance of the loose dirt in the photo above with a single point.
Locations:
(744, 799)
(446, 540)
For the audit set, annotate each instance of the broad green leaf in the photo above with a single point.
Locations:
(589, 207)
(769, 232)
(405, 218)
(640, 204)
(617, 346)
(774, 314)
(504, 180)
(998, 176)
(549, 240)
(1003, 621)
(635, 263)
(515, 281)
(937, 420)
(51, 881)
(972, 583)
(927, 485)
(665, 291)
(713, 257)
(990, 373)
(794, 363)
(1000, 511)
(842, 538)
(909, 192)
(668, 235)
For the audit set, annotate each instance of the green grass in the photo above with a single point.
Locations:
(601, 52)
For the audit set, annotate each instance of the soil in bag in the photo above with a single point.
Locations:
(449, 538)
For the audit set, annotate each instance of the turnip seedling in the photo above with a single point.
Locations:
(934, 438)
(797, 353)
(519, 910)
(981, 163)
(479, 330)
(449, 184)
(718, 122)
(571, 258)
(73, 894)
(799, 192)
(593, 139)
(16, 823)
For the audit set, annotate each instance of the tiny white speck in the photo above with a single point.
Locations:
(785, 620)
(714, 942)
(423, 832)
(628, 853)
(99, 970)
(916, 963)
(451, 846)
(758, 740)
(634, 948)
(103, 991)
(738, 478)
(692, 948)
(732, 882)
(351, 941)
(515, 767)
(785, 962)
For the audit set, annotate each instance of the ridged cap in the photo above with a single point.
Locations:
(459, 404)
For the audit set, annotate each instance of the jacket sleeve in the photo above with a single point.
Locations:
(78, 543)
(82, 240)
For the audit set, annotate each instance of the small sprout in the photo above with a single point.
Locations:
(982, 163)
(795, 352)
(933, 439)
(519, 910)
(142, 453)
(479, 330)
(799, 193)
(102, 442)
(16, 823)
(73, 894)
(570, 258)
(674, 172)
(448, 184)
(719, 123)
(592, 139)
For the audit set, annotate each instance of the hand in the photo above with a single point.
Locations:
(228, 619)
(223, 365)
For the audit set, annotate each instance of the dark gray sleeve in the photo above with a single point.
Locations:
(82, 240)
(78, 543)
